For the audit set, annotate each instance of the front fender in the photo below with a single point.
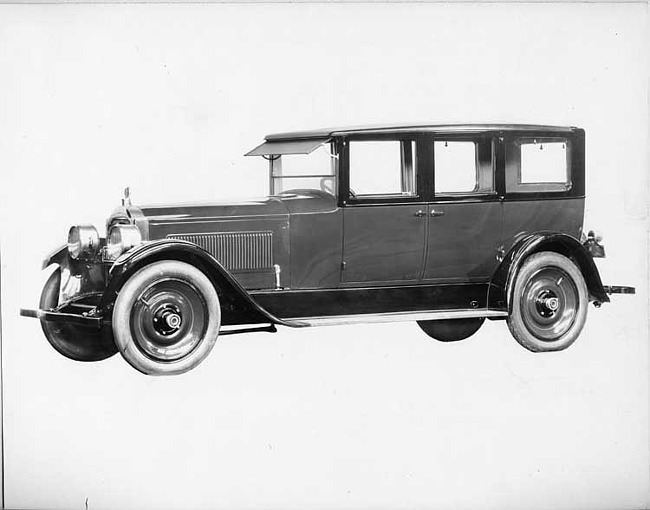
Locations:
(237, 305)
(56, 257)
(503, 281)
(79, 279)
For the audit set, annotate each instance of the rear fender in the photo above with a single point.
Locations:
(503, 282)
(237, 306)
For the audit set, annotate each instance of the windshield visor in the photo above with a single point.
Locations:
(290, 147)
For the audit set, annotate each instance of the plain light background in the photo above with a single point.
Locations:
(166, 99)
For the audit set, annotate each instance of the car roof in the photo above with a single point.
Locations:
(415, 128)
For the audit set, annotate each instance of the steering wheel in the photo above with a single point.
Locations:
(327, 185)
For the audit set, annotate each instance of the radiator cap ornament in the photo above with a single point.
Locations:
(127, 196)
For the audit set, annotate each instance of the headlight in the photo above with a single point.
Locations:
(122, 238)
(83, 241)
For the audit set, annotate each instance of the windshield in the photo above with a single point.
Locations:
(299, 172)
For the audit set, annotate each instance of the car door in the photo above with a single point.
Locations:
(465, 212)
(384, 214)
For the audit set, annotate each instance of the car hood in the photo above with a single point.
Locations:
(250, 238)
(267, 213)
(268, 206)
(158, 220)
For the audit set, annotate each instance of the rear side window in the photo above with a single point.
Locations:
(538, 164)
(463, 167)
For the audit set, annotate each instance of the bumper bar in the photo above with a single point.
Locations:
(68, 318)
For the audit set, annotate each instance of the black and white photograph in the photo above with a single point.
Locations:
(342, 255)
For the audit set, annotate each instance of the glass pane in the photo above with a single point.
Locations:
(319, 162)
(455, 167)
(543, 162)
(382, 168)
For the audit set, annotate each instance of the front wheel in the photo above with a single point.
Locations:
(550, 302)
(166, 318)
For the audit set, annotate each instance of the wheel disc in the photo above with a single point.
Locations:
(168, 319)
(549, 304)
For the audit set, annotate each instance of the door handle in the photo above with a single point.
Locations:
(420, 213)
(435, 214)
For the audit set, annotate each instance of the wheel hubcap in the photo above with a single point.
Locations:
(547, 303)
(550, 305)
(169, 320)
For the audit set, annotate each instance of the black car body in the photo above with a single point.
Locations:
(446, 225)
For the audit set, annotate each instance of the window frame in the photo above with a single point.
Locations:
(344, 170)
(512, 169)
(465, 195)
(273, 177)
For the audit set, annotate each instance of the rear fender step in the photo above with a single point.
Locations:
(619, 289)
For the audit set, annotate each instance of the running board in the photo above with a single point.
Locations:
(369, 318)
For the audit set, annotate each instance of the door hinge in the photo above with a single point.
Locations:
(343, 265)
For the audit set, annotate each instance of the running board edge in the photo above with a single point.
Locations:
(337, 320)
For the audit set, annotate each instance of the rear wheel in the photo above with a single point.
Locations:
(451, 330)
(550, 301)
(166, 318)
(80, 343)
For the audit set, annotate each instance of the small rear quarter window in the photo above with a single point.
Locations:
(538, 164)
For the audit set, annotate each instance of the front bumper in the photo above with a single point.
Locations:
(67, 317)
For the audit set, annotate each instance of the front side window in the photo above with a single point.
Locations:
(315, 171)
(538, 164)
(382, 168)
(463, 167)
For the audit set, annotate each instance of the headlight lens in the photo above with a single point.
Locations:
(122, 238)
(83, 241)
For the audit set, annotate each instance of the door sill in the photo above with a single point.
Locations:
(370, 318)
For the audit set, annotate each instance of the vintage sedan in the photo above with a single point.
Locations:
(446, 225)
